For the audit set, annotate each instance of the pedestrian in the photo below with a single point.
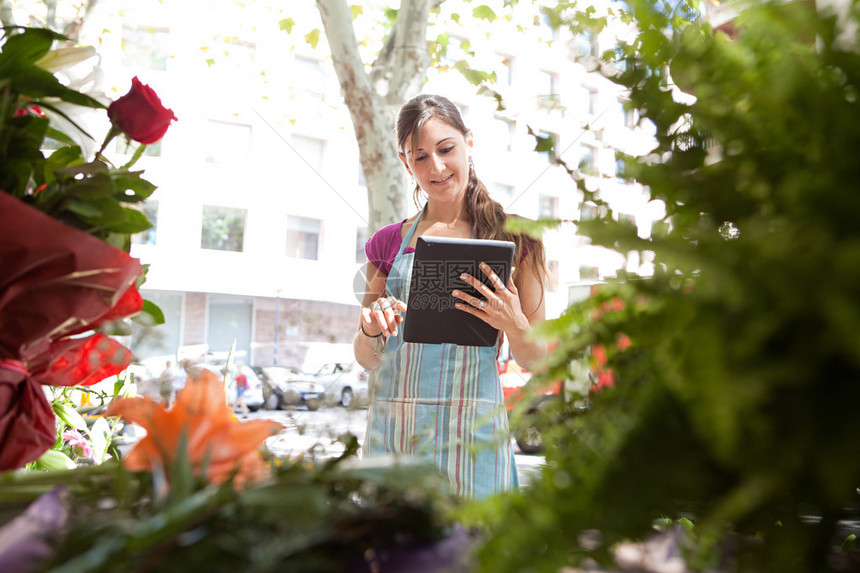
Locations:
(241, 387)
(165, 385)
(443, 401)
(178, 377)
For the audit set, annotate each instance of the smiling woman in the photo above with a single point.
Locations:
(444, 401)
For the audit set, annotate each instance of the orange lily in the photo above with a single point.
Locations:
(212, 433)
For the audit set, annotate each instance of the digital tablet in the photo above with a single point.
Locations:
(437, 265)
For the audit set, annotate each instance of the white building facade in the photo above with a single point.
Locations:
(260, 213)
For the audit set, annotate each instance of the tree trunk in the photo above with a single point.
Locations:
(374, 98)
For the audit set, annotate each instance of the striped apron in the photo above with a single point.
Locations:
(442, 402)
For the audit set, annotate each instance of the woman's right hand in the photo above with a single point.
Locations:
(383, 315)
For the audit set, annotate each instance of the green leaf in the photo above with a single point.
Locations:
(22, 51)
(484, 12)
(38, 83)
(132, 187)
(129, 222)
(96, 186)
(85, 209)
(287, 25)
(55, 460)
(530, 227)
(455, 18)
(150, 314)
(474, 77)
(543, 144)
(356, 10)
(313, 38)
(70, 416)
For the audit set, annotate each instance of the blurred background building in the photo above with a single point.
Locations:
(260, 212)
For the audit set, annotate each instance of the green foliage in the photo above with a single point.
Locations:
(313, 38)
(92, 196)
(734, 410)
(286, 25)
(309, 518)
(484, 12)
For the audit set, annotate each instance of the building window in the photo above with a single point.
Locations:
(230, 325)
(585, 43)
(150, 209)
(548, 32)
(311, 77)
(303, 237)
(547, 207)
(144, 48)
(588, 160)
(223, 228)
(628, 114)
(504, 133)
(163, 339)
(547, 145)
(361, 237)
(620, 169)
(589, 101)
(311, 149)
(548, 84)
(226, 143)
(505, 71)
(620, 59)
(588, 211)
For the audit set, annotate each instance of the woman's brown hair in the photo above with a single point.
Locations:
(488, 216)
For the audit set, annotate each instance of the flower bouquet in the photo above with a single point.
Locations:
(67, 220)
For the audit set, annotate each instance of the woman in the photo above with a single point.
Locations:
(444, 401)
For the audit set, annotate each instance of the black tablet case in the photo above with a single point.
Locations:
(438, 263)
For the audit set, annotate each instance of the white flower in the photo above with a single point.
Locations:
(74, 68)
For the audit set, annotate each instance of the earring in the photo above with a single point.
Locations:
(471, 163)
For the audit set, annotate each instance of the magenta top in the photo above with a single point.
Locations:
(382, 247)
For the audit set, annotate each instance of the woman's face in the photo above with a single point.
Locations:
(440, 161)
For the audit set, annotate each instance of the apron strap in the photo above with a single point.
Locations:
(411, 232)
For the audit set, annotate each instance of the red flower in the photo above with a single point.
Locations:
(140, 115)
(27, 422)
(57, 286)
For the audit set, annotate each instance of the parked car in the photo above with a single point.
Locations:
(530, 408)
(345, 383)
(288, 386)
(253, 395)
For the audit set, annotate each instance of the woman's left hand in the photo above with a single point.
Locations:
(498, 306)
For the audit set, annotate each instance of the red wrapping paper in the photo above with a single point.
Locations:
(57, 284)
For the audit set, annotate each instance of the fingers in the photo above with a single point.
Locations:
(494, 278)
(384, 312)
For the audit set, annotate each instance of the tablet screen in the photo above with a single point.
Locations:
(438, 263)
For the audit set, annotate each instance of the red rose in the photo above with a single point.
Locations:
(140, 115)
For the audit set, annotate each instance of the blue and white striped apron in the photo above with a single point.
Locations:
(442, 402)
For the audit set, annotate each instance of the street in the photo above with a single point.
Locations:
(314, 434)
